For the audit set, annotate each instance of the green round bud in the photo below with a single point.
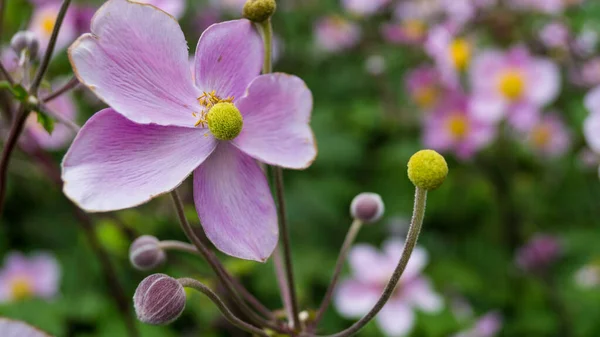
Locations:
(259, 10)
(427, 169)
(225, 121)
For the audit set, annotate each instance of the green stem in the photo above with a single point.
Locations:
(219, 270)
(411, 242)
(194, 284)
(348, 241)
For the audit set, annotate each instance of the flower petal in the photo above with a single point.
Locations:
(396, 318)
(235, 205)
(276, 111)
(369, 265)
(354, 298)
(591, 130)
(419, 292)
(136, 60)
(11, 328)
(545, 81)
(115, 163)
(229, 55)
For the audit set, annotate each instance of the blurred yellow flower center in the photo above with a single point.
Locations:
(414, 29)
(21, 288)
(512, 84)
(48, 23)
(458, 126)
(540, 136)
(460, 53)
(426, 96)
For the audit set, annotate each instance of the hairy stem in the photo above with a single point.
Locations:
(411, 242)
(219, 270)
(39, 75)
(70, 85)
(9, 147)
(194, 284)
(348, 241)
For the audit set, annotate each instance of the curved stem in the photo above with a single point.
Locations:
(194, 284)
(411, 242)
(72, 84)
(348, 241)
(39, 75)
(178, 246)
(9, 147)
(217, 267)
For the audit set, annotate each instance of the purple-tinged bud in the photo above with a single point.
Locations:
(25, 40)
(159, 299)
(539, 253)
(367, 207)
(145, 253)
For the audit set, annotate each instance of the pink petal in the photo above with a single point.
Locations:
(396, 319)
(419, 292)
(592, 100)
(354, 298)
(591, 130)
(276, 112)
(417, 262)
(45, 271)
(173, 7)
(10, 328)
(136, 60)
(115, 163)
(544, 85)
(369, 265)
(229, 55)
(487, 108)
(235, 205)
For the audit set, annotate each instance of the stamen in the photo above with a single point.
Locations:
(208, 100)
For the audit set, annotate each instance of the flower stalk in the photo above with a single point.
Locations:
(194, 284)
(348, 241)
(411, 242)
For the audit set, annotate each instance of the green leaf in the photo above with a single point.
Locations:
(20, 92)
(46, 121)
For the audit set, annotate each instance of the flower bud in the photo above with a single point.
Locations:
(259, 10)
(159, 299)
(25, 40)
(367, 207)
(145, 253)
(427, 169)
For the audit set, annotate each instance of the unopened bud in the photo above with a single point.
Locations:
(25, 40)
(367, 207)
(427, 169)
(159, 299)
(145, 253)
(259, 10)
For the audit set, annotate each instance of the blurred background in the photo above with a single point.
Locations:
(502, 88)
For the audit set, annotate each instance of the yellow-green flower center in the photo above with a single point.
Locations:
(458, 125)
(512, 84)
(225, 121)
(427, 169)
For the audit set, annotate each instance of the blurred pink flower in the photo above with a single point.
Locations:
(410, 31)
(555, 35)
(512, 84)
(553, 7)
(591, 127)
(62, 135)
(22, 277)
(42, 24)
(549, 137)
(451, 53)
(11, 328)
(539, 253)
(424, 87)
(459, 11)
(364, 7)
(371, 270)
(233, 7)
(488, 325)
(334, 33)
(452, 128)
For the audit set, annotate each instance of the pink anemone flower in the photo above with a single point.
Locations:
(550, 136)
(591, 127)
(42, 23)
(163, 125)
(451, 127)
(514, 84)
(24, 277)
(371, 270)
